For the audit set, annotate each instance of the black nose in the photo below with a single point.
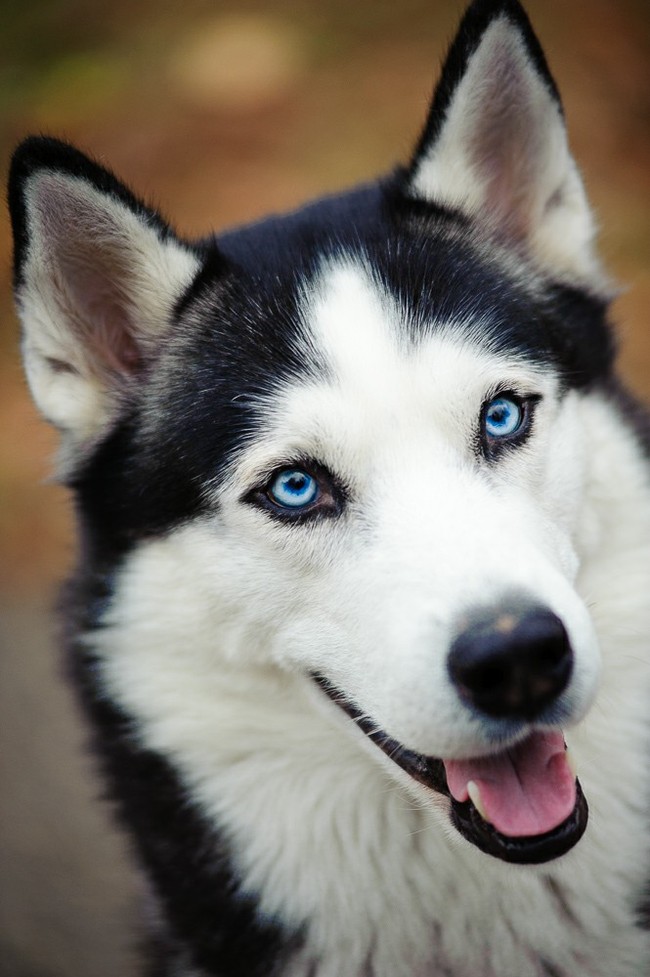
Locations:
(512, 664)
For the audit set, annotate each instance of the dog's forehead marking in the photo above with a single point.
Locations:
(380, 357)
(376, 350)
(384, 389)
(355, 323)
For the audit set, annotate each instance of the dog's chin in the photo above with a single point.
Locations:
(546, 827)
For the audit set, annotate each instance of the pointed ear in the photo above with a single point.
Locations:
(495, 144)
(96, 276)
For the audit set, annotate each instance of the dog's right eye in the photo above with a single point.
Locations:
(293, 488)
(299, 492)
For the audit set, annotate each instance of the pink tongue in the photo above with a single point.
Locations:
(525, 791)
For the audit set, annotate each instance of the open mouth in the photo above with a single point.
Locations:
(524, 805)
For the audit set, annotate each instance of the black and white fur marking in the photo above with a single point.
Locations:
(336, 728)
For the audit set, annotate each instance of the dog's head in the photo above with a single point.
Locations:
(356, 429)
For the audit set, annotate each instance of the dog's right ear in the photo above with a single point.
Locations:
(96, 277)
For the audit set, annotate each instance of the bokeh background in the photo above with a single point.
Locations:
(218, 112)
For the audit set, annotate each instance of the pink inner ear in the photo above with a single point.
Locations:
(87, 249)
(115, 344)
(508, 146)
(508, 173)
(104, 321)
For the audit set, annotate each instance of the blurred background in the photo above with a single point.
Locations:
(218, 112)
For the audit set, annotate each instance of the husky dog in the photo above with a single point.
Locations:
(365, 545)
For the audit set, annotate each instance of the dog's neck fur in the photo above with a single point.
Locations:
(323, 838)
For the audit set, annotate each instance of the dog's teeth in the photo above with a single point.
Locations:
(570, 759)
(475, 798)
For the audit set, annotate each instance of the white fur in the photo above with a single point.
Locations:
(213, 630)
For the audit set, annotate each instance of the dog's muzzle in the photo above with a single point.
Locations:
(522, 805)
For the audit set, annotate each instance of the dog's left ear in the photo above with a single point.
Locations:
(495, 146)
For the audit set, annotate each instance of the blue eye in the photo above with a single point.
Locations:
(503, 417)
(293, 488)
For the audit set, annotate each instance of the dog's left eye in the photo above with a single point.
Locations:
(505, 422)
(503, 417)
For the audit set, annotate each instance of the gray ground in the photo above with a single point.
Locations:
(67, 891)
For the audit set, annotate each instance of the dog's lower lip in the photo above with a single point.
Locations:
(531, 850)
(430, 772)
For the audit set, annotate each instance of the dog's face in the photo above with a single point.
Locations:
(388, 503)
(402, 526)
(348, 444)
